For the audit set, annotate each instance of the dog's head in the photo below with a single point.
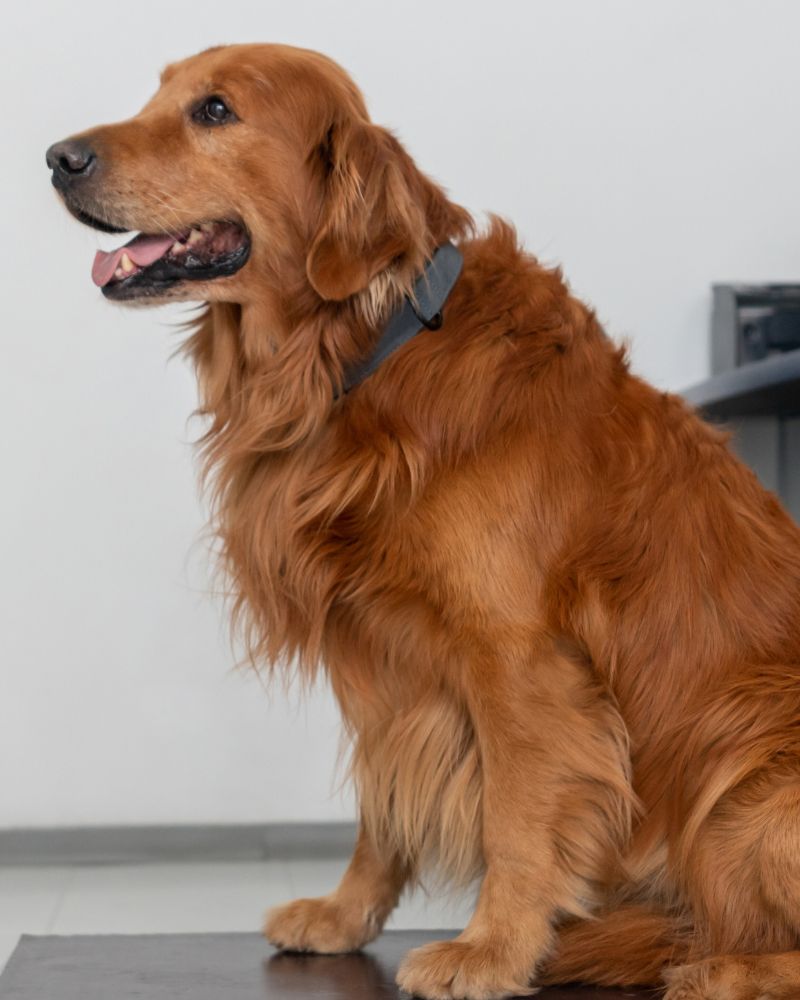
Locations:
(254, 170)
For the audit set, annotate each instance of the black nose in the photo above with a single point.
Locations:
(70, 159)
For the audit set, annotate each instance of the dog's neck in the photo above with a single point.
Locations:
(289, 341)
(421, 309)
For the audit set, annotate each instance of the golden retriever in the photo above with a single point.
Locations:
(561, 620)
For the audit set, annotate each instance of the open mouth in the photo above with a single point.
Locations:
(152, 263)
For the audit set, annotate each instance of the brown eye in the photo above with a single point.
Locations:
(213, 111)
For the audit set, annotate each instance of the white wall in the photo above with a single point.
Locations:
(651, 147)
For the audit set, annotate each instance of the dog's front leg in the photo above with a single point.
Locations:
(555, 810)
(349, 917)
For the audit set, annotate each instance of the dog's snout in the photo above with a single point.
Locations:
(70, 160)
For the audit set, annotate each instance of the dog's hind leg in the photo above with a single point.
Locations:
(736, 977)
(743, 872)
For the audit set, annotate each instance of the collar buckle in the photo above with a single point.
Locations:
(432, 323)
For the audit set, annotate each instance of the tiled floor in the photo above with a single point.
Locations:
(179, 898)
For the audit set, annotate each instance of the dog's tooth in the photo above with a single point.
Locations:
(119, 273)
(195, 236)
(126, 264)
(178, 248)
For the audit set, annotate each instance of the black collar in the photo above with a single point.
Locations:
(421, 310)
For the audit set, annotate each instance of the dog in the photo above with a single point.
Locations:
(561, 620)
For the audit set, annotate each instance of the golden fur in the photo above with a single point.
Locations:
(561, 620)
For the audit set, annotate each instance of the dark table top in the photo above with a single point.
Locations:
(219, 967)
(761, 388)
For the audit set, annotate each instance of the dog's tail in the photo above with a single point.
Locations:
(629, 946)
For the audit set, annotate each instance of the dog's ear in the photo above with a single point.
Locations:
(373, 209)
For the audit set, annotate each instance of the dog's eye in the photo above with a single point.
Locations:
(213, 111)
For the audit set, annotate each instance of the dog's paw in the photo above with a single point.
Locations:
(730, 978)
(324, 925)
(463, 970)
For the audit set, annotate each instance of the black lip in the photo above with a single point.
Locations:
(164, 274)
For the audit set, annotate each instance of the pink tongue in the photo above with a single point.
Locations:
(142, 250)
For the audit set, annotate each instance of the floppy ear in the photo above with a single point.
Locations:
(373, 209)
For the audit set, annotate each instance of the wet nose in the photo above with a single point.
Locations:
(70, 160)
